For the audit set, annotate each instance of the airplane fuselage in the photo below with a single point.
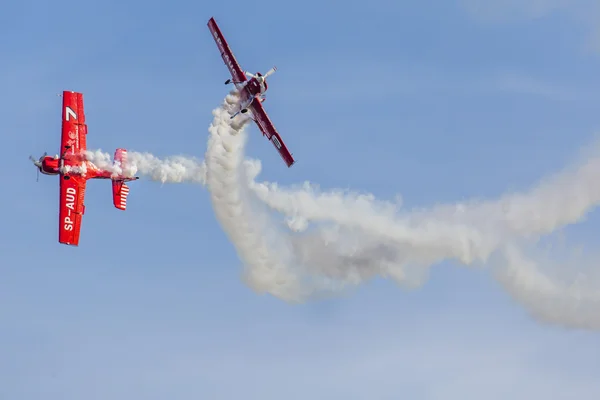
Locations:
(75, 166)
(252, 89)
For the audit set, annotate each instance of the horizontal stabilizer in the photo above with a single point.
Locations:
(119, 187)
(120, 192)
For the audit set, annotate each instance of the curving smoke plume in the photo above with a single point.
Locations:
(247, 227)
(335, 239)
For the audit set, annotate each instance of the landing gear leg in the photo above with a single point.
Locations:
(243, 111)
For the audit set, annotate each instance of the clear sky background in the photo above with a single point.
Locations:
(436, 100)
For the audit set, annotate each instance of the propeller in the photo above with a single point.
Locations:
(261, 78)
(270, 72)
(38, 164)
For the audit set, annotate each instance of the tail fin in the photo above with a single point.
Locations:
(120, 158)
(119, 187)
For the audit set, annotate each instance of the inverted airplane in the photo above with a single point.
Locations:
(252, 92)
(74, 170)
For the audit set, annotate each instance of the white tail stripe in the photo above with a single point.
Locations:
(124, 193)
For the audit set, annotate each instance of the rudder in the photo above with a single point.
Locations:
(119, 160)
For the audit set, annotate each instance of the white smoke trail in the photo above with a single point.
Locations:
(366, 237)
(174, 169)
(336, 238)
(492, 233)
(571, 304)
(255, 242)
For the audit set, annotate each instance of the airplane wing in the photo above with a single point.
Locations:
(268, 129)
(234, 68)
(72, 195)
(74, 129)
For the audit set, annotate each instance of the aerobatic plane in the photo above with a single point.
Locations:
(74, 169)
(252, 92)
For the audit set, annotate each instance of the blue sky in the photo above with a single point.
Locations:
(439, 101)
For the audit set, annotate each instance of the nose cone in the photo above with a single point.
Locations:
(50, 165)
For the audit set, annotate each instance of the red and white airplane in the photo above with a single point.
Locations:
(74, 170)
(252, 92)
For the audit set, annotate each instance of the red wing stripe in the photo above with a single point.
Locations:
(228, 58)
(268, 129)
